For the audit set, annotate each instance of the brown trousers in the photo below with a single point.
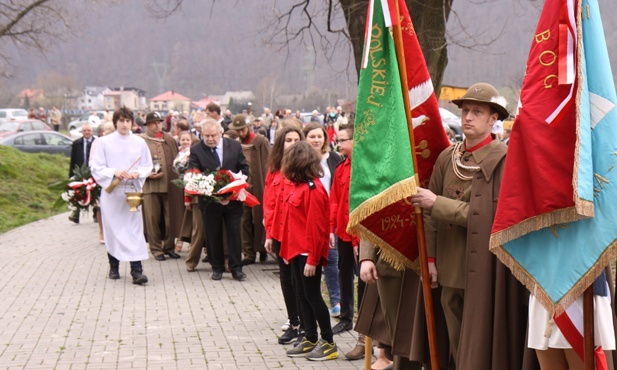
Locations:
(253, 234)
(389, 288)
(197, 239)
(452, 302)
(156, 206)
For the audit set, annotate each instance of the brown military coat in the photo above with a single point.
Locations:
(256, 154)
(166, 149)
(493, 332)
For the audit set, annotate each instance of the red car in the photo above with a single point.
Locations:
(11, 127)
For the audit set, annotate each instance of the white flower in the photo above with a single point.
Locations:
(71, 193)
(499, 100)
(65, 196)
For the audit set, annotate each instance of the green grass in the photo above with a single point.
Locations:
(24, 180)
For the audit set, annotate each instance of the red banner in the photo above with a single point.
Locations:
(543, 140)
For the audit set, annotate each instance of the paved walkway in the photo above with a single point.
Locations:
(58, 310)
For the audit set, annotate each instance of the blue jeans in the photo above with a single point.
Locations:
(332, 278)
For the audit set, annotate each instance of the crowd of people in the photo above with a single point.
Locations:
(303, 187)
(146, 153)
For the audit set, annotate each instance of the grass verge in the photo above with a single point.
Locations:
(24, 180)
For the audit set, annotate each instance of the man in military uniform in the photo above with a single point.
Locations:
(256, 150)
(162, 199)
(481, 299)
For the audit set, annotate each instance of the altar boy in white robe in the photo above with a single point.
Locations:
(122, 155)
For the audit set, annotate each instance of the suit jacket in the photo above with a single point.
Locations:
(233, 159)
(77, 153)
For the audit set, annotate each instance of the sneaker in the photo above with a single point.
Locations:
(323, 351)
(290, 335)
(302, 349)
(336, 311)
(285, 326)
(300, 338)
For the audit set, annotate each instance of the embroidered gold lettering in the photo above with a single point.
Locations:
(378, 76)
(546, 84)
(543, 36)
(543, 58)
(601, 180)
(554, 228)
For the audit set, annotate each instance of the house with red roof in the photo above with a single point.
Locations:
(170, 100)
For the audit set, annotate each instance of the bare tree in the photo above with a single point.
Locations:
(318, 25)
(32, 23)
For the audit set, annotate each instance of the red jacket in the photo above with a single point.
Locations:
(305, 228)
(339, 203)
(274, 193)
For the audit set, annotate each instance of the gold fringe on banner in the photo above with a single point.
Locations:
(390, 195)
(389, 254)
(577, 290)
(557, 217)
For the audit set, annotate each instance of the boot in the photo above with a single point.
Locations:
(138, 277)
(357, 352)
(74, 216)
(114, 274)
(114, 265)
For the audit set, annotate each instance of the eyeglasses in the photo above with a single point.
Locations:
(343, 140)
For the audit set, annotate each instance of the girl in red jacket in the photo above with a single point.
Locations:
(305, 246)
(273, 203)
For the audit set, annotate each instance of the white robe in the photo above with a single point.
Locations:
(123, 229)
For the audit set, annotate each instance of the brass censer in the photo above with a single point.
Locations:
(134, 200)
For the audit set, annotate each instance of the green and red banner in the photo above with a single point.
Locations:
(383, 174)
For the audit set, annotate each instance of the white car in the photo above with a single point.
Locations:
(86, 119)
(452, 122)
(12, 114)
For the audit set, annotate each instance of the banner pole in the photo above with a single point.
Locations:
(588, 331)
(368, 352)
(426, 280)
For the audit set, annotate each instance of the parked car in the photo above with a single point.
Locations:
(39, 142)
(11, 114)
(306, 118)
(82, 120)
(453, 122)
(11, 127)
(76, 134)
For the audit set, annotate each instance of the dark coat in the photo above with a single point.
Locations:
(77, 153)
(334, 159)
(233, 159)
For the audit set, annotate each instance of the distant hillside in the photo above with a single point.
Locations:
(212, 47)
(24, 178)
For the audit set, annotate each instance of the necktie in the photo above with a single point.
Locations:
(215, 155)
(86, 143)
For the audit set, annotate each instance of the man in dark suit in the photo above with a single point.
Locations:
(212, 153)
(80, 154)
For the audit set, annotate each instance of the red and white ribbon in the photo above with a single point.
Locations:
(89, 184)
